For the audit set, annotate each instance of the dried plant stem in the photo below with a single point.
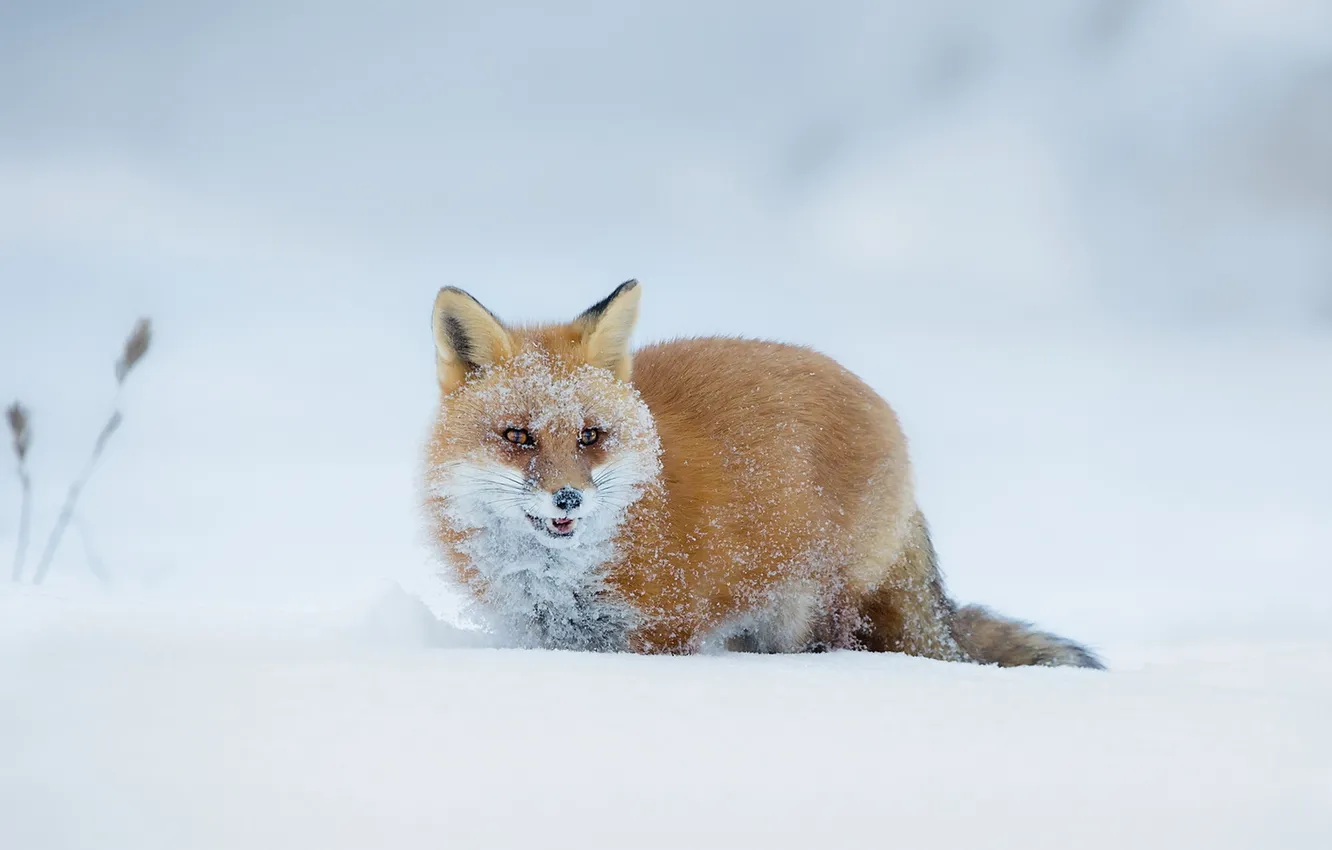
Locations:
(136, 346)
(72, 497)
(95, 564)
(25, 520)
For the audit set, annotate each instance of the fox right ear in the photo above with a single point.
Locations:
(606, 327)
(467, 337)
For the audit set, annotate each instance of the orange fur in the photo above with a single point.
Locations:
(783, 516)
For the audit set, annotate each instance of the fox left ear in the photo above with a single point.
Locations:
(467, 337)
(607, 326)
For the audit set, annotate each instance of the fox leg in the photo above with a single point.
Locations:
(664, 637)
(909, 611)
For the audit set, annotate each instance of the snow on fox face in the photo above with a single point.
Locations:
(540, 448)
(540, 451)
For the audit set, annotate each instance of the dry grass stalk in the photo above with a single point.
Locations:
(95, 564)
(20, 428)
(136, 346)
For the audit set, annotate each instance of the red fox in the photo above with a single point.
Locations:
(694, 495)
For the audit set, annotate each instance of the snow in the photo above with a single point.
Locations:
(173, 731)
(1084, 254)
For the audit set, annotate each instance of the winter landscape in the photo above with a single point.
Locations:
(1086, 254)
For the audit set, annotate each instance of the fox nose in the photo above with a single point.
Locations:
(567, 499)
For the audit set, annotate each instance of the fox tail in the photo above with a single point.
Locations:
(994, 639)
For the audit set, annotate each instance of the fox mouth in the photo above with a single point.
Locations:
(563, 527)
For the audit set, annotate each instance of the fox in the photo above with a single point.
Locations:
(695, 495)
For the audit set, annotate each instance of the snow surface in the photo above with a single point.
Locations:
(184, 729)
(1083, 253)
(1167, 505)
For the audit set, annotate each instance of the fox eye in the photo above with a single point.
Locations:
(589, 436)
(519, 437)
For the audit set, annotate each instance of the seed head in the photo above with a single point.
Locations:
(135, 347)
(19, 427)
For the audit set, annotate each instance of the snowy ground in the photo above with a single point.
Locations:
(1085, 254)
(158, 735)
(1166, 502)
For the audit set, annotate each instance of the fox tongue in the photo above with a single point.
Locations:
(562, 524)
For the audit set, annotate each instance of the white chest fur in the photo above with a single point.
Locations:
(552, 598)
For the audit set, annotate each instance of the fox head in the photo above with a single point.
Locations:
(540, 439)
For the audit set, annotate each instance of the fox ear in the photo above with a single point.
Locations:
(607, 326)
(467, 337)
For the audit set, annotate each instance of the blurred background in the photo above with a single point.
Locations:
(1084, 248)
